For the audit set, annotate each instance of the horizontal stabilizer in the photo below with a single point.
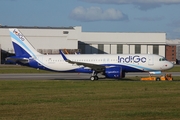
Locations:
(17, 60)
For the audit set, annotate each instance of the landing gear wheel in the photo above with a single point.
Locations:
(96, 77)
(92, 78)
(157, 79)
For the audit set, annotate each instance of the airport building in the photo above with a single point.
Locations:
(49, 40)
(175, 44)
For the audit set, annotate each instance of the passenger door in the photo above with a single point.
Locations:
(150, 60)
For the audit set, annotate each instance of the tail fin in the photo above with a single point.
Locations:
(21, 45)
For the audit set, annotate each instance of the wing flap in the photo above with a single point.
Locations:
(95, 67)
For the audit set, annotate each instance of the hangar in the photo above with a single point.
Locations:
(49, 40)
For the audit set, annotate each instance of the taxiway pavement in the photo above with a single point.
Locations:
(64, 76)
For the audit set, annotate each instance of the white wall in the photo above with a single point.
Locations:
(44, 38)
(150, 49)
(113, 49)
(144, 49)
(107, 48)
(55, 39)
(162, 50)
(125, 38)
(132, 49)
(126, 49)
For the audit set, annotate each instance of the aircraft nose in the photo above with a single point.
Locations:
(169, 65)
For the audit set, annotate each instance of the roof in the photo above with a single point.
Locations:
(173, 42)
(36, 27)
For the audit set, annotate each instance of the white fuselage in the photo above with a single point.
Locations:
(142, 62)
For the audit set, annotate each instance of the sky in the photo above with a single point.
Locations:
(95, 15)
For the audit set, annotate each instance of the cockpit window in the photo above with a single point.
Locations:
(162, 59)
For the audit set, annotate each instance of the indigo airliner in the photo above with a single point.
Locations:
(109, 65)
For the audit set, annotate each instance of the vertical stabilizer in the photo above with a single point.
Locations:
(21, 45)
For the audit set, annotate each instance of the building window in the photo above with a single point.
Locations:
(137, 49)
(82, 48)
(65, 32)
(119, 48)
(156, 49)
(100, 48)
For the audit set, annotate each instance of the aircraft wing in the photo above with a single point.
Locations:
(96, 67)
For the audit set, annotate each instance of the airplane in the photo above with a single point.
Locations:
(109, 65)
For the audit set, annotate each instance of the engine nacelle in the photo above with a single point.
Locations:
(114, 72)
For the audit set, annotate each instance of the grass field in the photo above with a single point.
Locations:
(19, 69)
(176, 68)
(80, 100)
(126, 99)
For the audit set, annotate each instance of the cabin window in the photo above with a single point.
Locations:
(162, 59)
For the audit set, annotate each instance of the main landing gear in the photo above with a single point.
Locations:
(94, 76)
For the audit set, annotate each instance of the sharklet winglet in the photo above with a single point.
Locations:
(63, 56)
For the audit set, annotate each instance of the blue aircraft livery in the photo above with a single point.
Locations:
(19, 34)
(131, 59)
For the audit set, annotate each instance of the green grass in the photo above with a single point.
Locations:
(176, 68)
(126, 99)
(19, 69)
(137, 78)
(80, 100)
